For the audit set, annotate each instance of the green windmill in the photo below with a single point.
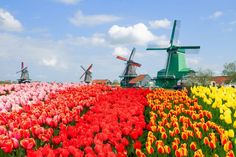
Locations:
(176, 67)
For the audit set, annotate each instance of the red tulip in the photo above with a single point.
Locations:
(27, 143)
(137, 145)
(7, 146)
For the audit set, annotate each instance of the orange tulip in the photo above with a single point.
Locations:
(212, 145)
(139, 153)
(206, 140)
(163, 135)
(228, 146)
(149, 149)
(223, 139)
(176, 130)
(193, 146)
(198, 153)
(172, 133)
(176, 140)
(167, 149)
(159, 142)
(230, 154)
(199, 134)
(178, 153)
(174, 146)
(205, 127)
(184, 136)
(160, 149)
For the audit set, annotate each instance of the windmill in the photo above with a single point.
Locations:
(176, 67)
(24, 77)
(87, 74)
(130, 69)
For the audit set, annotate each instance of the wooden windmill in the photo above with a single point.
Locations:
(24, 77)
(87, 74)
(130, 69)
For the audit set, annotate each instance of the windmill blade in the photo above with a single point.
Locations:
(82, 75)
(132, 54)
(175, 33)
(156, 48)
(22, 69)
(192, 51)
(188, 47)
(89, 67)
(19, 71)
(82, 68)
(136, 64)
(22, 65)
(126, 69)
(121, 58)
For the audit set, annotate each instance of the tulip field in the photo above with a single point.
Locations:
(66, 119)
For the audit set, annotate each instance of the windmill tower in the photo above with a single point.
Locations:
(24, 77)
(87, 74)
(130, 69)
(176, 67)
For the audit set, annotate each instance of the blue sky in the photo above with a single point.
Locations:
(55, 37)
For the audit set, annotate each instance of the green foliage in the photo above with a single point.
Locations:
(201, 77)
(230, 70)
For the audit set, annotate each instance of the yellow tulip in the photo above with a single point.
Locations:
(228, 119)
(234, 125)
(231, 133)
(222, 117)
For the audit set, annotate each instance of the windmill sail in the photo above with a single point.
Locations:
(24, 78)
(87, 74)
(176, 67)
(130, 69)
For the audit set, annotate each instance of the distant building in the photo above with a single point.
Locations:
(140, 81)
(104, 82)
(220, 80)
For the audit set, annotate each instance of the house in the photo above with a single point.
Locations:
(140, 81)
(104, 82)
(220, 80)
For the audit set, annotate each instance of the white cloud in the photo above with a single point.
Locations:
(69, 2)
(92, 20)
(165, 23)
(216, 15)
(40, 51)
(49, 61)
(8, 22)
(193, 61)
(137, 34)
(121, 51)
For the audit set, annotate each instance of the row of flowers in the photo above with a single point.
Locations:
(222, 102)
(178, 125)
(79, 121)
(13, 96)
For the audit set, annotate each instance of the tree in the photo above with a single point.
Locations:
(201, 77)
(230, 70)
(115, 83)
